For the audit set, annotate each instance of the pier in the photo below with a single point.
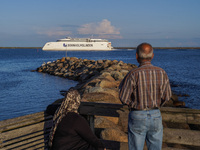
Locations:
(181, 127)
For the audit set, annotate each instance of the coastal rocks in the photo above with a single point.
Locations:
(113, 134)
(174, 102)
(108, 130)
(98, 82)
(76, 69)
(102, 97)
(105, 83)
(103, 122)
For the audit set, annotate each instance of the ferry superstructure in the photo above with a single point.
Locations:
(78, 44)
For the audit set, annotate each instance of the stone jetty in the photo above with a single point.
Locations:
(98, 81)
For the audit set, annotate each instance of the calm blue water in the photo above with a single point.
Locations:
(23, 92)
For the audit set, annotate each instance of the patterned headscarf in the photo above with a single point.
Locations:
(71, 103)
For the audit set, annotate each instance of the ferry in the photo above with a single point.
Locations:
(78, 44)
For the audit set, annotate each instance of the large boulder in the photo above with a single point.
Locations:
(113, 134)
(105, 83)
(100, 97)
(117, 75)
(103, 122)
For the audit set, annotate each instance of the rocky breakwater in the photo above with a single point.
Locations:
(98, 82)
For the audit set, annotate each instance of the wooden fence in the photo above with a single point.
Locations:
(181, 127)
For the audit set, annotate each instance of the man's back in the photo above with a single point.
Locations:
(148, 85)
(144, 90)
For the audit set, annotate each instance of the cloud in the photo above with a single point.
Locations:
(54, 32)
(102, 29)
(69, 26)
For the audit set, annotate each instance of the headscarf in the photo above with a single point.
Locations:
(71, 103)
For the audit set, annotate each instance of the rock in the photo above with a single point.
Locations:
(179, 104)
(103, 122)
(124, 72)
(174, 97)
(117, 75)
(58, 74)
(116, 67)
(123, 120)
(60, 65)
(174, 102)
(104, 73)
(100, 97)
(94, 90)
(51, 64)
(62, 59)
(113, 134)
(39, 70)
(115, 120)
(110, 78)
(169, 103)
(63, 70)
(73, 59)
(114, 61)
(100, 61)
(105, 83)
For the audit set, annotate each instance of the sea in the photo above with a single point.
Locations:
(23, 91)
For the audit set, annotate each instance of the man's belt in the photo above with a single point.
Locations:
(133, 109)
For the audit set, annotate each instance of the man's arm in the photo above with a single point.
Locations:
(126, 90)
(167, 93)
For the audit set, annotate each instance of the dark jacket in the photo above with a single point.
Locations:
(74, 133)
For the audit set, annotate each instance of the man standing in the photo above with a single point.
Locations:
(145, 89)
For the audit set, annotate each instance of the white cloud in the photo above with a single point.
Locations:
(101, 29)
(54, 33)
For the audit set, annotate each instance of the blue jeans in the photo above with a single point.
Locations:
(145, 126)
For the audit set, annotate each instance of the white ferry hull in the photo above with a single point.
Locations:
(77, 46)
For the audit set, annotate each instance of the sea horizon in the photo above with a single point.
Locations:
(118, 47)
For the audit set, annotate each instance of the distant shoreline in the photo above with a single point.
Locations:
(159, 47)
(20, 47)
(113, 47)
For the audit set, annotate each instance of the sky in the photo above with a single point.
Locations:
(162, 23)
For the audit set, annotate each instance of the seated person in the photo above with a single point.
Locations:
(70, 131)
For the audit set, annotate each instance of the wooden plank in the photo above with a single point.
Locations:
(20, 119)
(181, 136)
(181, 118)
(33, 124)
(23, 121)
(22, 124)
(40, 146)
(33, 135)
(176, 115)
(27, 143)
(110, 145)
(180, 110)
(26, 130)
(173, 148)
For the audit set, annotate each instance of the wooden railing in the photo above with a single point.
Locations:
(181, 126)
